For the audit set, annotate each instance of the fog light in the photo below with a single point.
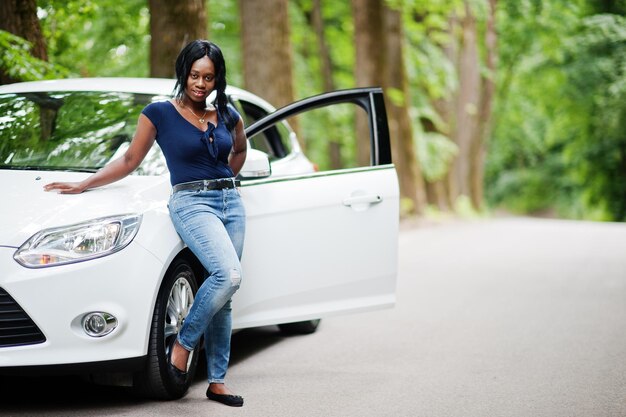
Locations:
(98, 324)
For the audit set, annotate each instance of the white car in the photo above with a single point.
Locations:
(99, 282)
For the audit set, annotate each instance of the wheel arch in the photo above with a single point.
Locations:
(197, 267)
(198, 270)
(153, 381)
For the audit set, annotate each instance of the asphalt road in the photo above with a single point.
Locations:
(509, 317)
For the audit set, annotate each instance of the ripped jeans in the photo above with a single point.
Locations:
(212, 224)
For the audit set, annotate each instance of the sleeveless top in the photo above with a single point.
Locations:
(189, 154)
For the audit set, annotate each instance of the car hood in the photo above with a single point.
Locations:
(27, 209)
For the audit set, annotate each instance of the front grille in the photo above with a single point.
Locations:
(16, 328)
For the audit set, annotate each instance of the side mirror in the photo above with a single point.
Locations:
(257, 165)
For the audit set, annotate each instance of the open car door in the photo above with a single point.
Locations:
(325, 242)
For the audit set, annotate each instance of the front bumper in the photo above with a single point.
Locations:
(124, 284)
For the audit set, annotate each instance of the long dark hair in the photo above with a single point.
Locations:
(190, 54)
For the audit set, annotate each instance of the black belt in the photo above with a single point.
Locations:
(204, 185)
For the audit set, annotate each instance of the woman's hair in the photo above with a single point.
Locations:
(190, 54)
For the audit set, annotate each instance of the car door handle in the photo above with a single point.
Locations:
(362, 199)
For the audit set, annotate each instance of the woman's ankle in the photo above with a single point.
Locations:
(179, 357)
(219, 388)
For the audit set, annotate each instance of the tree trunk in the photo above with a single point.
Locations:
(438, 195)
(442, 192)
(317, 23)
(266, 50)
(173, 24)
(467, 103)
(369, 63)
(326, 66)
(267, 61)
(485, 109)
(19, 17)
(401, 130)
(438, 192)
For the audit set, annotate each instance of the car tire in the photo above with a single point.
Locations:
(301, 327)
(172, 306)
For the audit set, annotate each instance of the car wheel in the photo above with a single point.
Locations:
(172, 306)
(301, 327)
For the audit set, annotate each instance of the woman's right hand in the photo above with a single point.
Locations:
(65, 187)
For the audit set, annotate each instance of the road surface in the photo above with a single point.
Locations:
(506, 317)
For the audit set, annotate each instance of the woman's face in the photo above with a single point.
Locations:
(201, 79)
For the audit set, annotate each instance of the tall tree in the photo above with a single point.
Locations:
(316, 20)
(369, 66)
(467, 100)
(401, 131)
(467, 112)
(173, 24)
(19, 17)
(483, 128)
(441, 191)
(266, 50)
(430, 33)
(107, 38)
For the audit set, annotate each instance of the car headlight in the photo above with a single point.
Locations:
(78, 242)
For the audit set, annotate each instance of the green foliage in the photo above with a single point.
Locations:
(559, 133)
(339, 34)
(431, 74)
(97, 38)
(432, 77)
(596, 70)
(436, 153)
(307, 56)
(558, 140)
(321, 126)
(224, 30)
(17, 62)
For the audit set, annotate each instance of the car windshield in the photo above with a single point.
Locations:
(71, 131)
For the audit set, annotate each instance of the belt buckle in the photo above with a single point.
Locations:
(205, 185)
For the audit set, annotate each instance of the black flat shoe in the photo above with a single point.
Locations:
(230, 400)
(179, 377)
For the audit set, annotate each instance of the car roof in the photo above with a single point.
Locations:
(161, 86)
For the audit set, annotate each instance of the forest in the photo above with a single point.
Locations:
(493, 105)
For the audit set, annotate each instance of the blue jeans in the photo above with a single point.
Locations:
(212, 224)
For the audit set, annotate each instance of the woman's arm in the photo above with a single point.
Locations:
(118, 169)
(240, 146)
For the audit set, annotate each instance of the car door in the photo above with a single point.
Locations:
(323, 242)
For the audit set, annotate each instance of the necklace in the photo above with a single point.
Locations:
(200, 119)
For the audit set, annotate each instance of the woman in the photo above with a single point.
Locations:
(205, 148)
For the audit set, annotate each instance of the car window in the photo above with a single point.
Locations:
(275, 141)
(75, 131)
(328, 135)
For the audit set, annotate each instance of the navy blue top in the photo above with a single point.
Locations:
(189, 153)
